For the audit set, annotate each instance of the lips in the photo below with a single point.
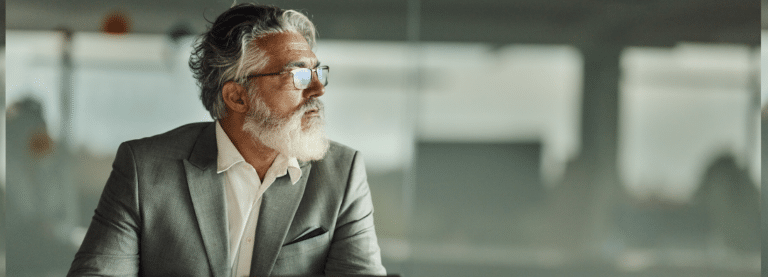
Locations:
(312, 107)
(312, 112)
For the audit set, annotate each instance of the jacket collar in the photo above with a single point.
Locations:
(204, 152)
(207, 193)
(278, 207)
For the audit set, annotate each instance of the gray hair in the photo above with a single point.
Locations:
(225, 52)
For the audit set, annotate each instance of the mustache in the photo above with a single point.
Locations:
(311, 104)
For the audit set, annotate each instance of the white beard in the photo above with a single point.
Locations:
(286, 135)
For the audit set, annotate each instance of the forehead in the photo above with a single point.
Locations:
(285, 48)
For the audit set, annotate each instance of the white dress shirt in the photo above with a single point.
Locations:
(243, 190)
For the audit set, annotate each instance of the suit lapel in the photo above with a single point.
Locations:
(207, 192)
(278, 206)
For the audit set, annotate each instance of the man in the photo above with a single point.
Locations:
(258, 192)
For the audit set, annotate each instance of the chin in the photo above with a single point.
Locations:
(315, 151)
(310, 144)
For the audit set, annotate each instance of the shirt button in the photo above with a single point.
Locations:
(250, 240)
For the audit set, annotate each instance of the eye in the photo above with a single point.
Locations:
(302, 77)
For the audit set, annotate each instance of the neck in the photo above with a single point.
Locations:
(254, 152)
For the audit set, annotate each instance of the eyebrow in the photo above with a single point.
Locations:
(299, 64)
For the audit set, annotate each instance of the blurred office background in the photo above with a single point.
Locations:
(502, 138)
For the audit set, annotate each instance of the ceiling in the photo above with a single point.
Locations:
(575, 22)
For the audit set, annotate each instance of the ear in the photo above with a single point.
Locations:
(235, 97)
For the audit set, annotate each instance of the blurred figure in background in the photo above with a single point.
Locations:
(36, 205)
(732, 203)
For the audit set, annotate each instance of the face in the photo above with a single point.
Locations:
(282, 117)
(286, 51)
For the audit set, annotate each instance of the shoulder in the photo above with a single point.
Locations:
(338, 151)
(339, 157)
(177, 142)
(337, 167)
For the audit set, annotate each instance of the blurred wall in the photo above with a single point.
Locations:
(501, 138)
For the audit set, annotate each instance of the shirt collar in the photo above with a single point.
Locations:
(229, 156)
(283, 164)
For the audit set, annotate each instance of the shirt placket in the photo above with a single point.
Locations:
(245, 244)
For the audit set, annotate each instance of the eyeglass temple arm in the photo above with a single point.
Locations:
(265, 74)
(278, 73)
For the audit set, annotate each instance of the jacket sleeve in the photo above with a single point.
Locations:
(111, 245)
(354, 248)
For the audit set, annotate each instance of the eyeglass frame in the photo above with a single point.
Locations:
(311, 76)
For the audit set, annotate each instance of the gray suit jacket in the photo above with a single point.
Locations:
(163, 213)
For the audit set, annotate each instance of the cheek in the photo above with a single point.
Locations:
(280, 98)
(287, 102)
(294, 97)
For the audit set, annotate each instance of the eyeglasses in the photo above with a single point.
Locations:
(302, 76)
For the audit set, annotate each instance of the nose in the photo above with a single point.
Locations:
(315, 88)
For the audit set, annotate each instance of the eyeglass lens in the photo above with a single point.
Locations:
(303, 76)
